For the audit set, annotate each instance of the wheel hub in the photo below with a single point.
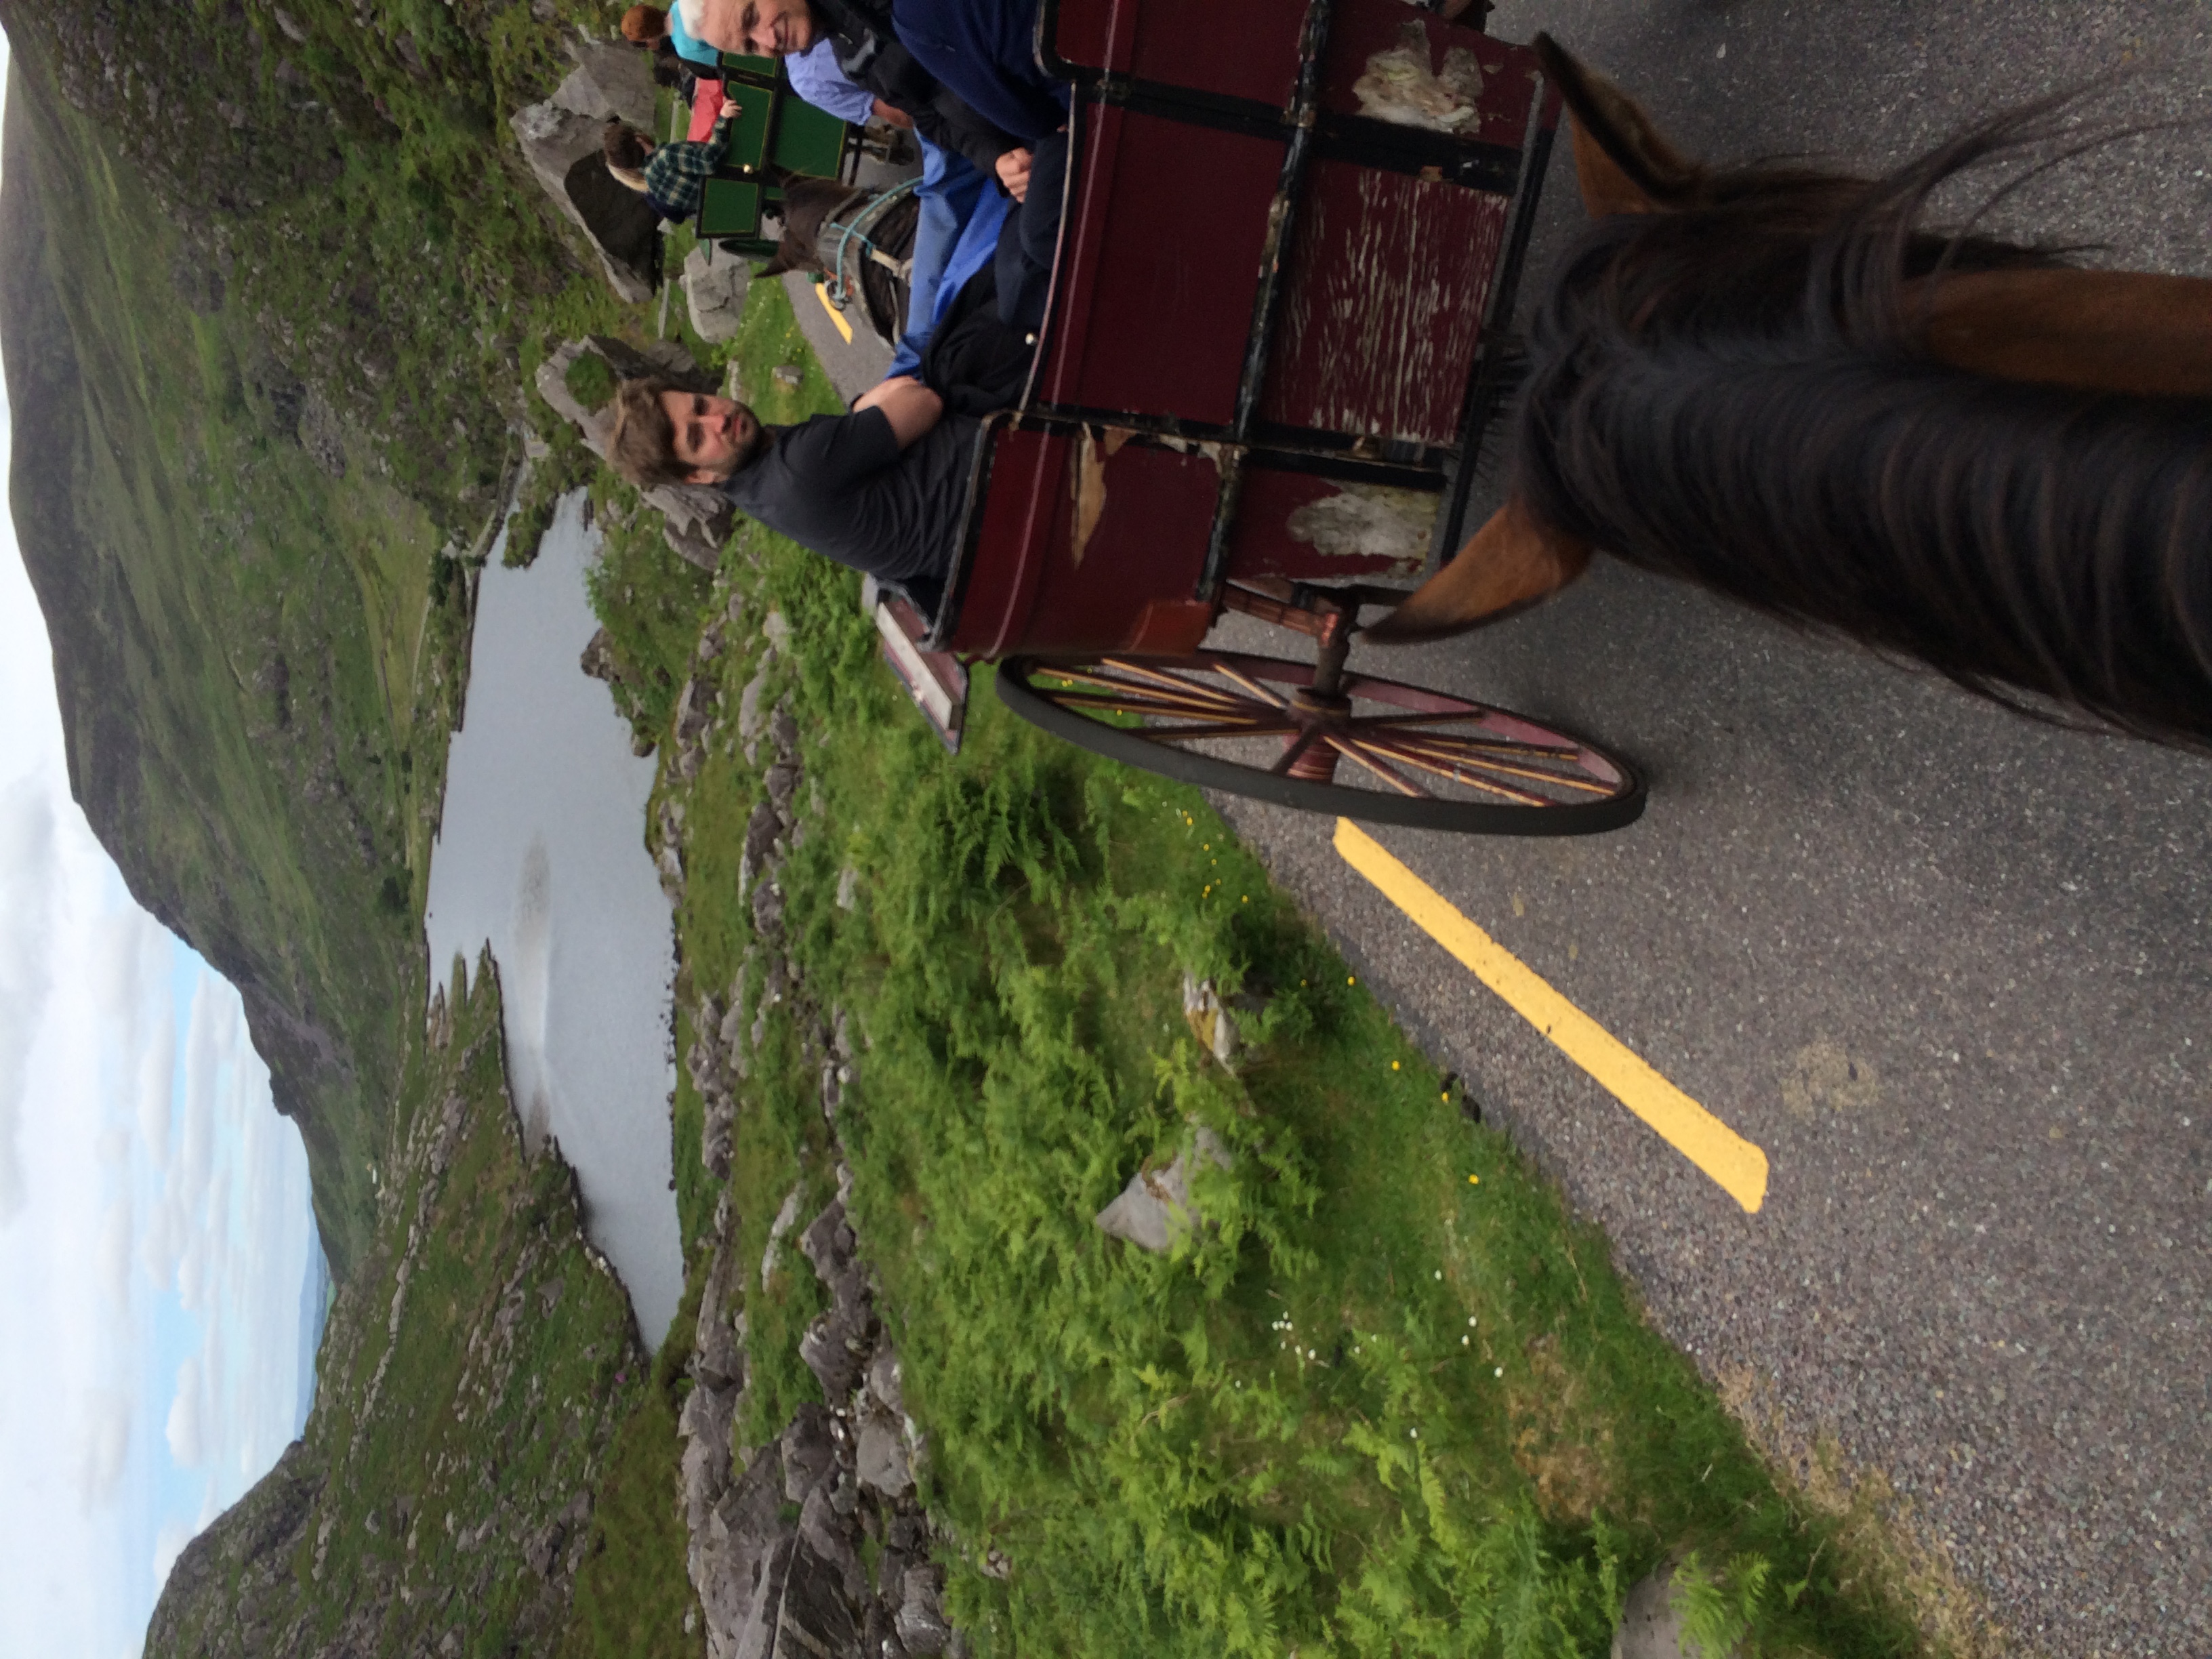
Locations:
(1316, 760)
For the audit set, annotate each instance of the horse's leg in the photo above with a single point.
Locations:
(2100, 331)
(1506, 566)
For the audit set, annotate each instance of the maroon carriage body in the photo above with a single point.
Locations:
(1289, 232)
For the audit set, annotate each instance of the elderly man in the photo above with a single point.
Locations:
(870, 54)
(881, 490)
(869, 50)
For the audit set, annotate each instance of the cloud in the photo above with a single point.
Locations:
(28, 871)
(157, 1085)
(112, 1254)
(205, 1042)
(188, 1414)
(103, 1445)
(204, 1267)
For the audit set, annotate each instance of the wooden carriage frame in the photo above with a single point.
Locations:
(1264, 395)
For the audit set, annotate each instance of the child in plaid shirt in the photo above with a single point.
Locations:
(670, 176)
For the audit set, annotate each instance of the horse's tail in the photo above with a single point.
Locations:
(2010, 536)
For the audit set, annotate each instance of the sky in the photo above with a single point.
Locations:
(155, 1233)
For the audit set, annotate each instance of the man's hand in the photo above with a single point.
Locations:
(1014, 173)
(911, 407)
(892, 118)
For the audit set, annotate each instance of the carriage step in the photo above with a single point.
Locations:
(934, 679)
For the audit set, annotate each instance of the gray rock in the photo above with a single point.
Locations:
(320, 433)
(694, 707)
(824, 1531)
(693, 545)
(921, 1622)
(714, 290)
(849, 888)
(704, 1427)
(608, 81)
(777, 627)
(782, 729)
(885, 1381)
(1155, 1208)
(767, 910)
(762, 831)
(783, 783)
(814, 1618)
(1209, 1021)
(753, 719)
(1651, 1625)
(833, 1346)
(829, 1244)
(599, 661)
(717, 1359)
(880, 1455)
(809, 1452)
(717, 1133)
(739, 1561)
(787, 1218)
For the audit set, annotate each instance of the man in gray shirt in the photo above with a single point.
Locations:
(881, 490)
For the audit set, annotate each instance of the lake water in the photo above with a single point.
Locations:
(542, 852)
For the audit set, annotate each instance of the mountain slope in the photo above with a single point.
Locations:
(236, 634)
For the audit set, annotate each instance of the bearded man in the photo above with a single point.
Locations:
(882, 489)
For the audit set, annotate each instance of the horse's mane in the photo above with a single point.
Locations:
(1737, 392)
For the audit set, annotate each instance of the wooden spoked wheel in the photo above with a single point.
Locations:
(1378, 750)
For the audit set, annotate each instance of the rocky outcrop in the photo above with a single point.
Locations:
(779, 1533)
(250, 1546)
(564, 130)
(701, 517)
(1155, 1208)
(715, 289)
(777, 1540)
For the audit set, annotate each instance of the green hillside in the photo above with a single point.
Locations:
(261, 325)
(477, 1366)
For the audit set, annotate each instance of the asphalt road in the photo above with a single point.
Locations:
(1950, 969)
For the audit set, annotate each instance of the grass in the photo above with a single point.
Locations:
(1391, 1398)
(633, 1598)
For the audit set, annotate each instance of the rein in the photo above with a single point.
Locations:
(840, 291)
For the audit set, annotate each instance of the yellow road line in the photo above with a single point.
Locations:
(1737, 1165)
(836, 315)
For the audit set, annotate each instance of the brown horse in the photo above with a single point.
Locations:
(1774, 382)
(816, 215)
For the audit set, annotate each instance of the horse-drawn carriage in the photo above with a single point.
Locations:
(1272, 348)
